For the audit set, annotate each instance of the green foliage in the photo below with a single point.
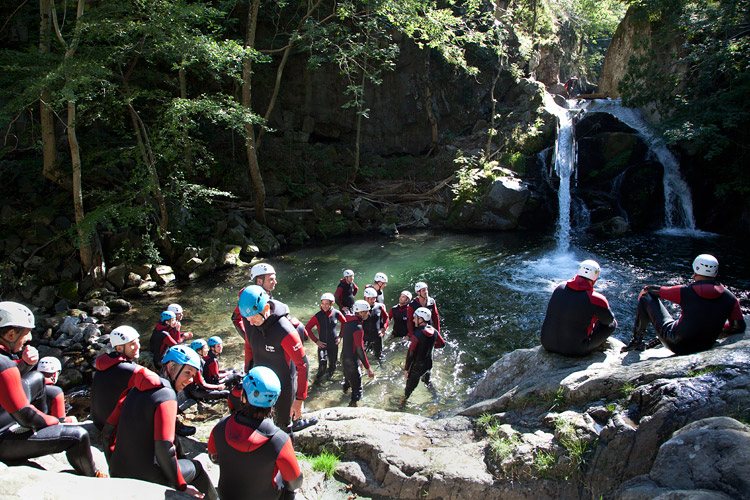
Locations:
(627, 389)
(544, 462)
(474, 174)
(326, 463)
(703, 371)
(574, 445)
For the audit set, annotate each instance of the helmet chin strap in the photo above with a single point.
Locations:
(171, 380)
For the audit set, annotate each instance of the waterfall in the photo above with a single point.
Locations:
(678, 204)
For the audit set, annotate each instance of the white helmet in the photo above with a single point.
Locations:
(360, 306)
(424, 313)
(380, 277)
(175, 308)
(328, 296)
(370, 292)
(706, 265)
(49, 364)
(122, 335)
(260, 270)
(589, 269)
(407, 294)
(348, 273)
(419, 286)
(15, 314)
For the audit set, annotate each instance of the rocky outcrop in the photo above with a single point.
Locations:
(634, 28)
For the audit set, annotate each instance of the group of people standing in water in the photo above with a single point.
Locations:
(136, 409)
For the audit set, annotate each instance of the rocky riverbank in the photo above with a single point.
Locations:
(613, 425)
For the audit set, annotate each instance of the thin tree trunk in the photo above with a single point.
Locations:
(186, 137)
(259, 189)
(428, 102)
(51, 168)
(492, 118)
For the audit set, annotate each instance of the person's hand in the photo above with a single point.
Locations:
(30, 355)
(296, 410)
(382, 332)
(70, 420)
(338, 340)
(652, 290)
(222, 387)
(321, 344)
(406, 373)
(193, 492)
(370, 373)
(187, 335)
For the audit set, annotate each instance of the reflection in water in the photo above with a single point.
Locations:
(491, 291)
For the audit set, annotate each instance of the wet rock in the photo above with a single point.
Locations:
(44, 351)
(70, 325)
(119, 305)
(191, 265)
(249, 252)
(230, 257)
(70, 377)
(45, 297)
(263, 237)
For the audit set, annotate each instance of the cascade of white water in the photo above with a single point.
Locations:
(678, 204)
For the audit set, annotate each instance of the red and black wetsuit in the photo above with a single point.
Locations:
(419, 356)
(162, 339)
(237, 317)
(353, 350)
(43, 434)
(377, 320)
(399, 315)
(706, 306)
(379, 298)
(256, 459)
(144, 424)
(416, 304)
(326, 323)
(578, 319)
(300, 328)
(211, 368)
(276, 344)
(55, 399)
(114, 375)
(201, 389)
(345, 293)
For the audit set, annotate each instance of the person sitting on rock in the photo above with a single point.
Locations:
(139, 437)
(177, 332)
(353, 350)
(50, 368)
(376, 324)
(200, 389)
(707, 310)
(326, 320)
(212, 373)
(419, 356)
(116, 372)
(256, 458)
(398, 315)
(578, 319)
(263, 275)
(422, 299)
(25, 431)
(346, 291)
(164, 336)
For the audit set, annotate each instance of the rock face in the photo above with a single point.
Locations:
(631, 29)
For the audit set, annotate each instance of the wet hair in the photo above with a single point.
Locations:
(251, 411)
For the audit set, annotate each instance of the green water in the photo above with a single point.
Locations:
(491, 291)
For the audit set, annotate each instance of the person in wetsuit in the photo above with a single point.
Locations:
(164, 336)
(398, 315)
(211, 371)
(375, 324)
(263, 275)
(26, 431)
(419, 356)
(200, 389)
(422, 299)
(177, 332)
(50, 368)
(326, 320)
(346, 291)
(578, 319)
(707, 310)
(353, 350)
(256, 458)
(379, 282)
(272, 341)
(116, 372)
(139, 437)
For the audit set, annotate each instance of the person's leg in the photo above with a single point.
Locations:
(599, 334)
(73, 440)
(650, 311)
(34, 387)
(284, 406)
(194, 474)
(356, 382)
(412, 381)
(322, 362)
(333, 354)
(55, 399)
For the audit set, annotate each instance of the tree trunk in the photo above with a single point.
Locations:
(259, 189)
(186, 137)
(428, 102)
(87, 259)
(353, 175)
(51, 168)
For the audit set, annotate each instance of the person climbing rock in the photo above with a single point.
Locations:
(418, 363)
(578, 319)
(346, 291)
(326, 320)
(353, 350)
(139, 436)
(707, 310)
(256, 459)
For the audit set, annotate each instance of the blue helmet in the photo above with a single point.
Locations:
(167, 315)
(253, 300)
(198, 344)
(182, 355)
(215, 340)
(262, 387)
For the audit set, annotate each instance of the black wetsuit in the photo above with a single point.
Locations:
(39, 434)
(54, 398)
(416, 304)
(344, 294)
(578, 319)
(256, 459)
(202, 390)
(377, 320)
(419, 356)
(144, 447)
(706, 306)
(162, 338)
(353, 350)
(326, 323)
(114, 375)
(399, 315)
(276, 344)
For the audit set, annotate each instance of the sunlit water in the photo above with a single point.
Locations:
(491, 290)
